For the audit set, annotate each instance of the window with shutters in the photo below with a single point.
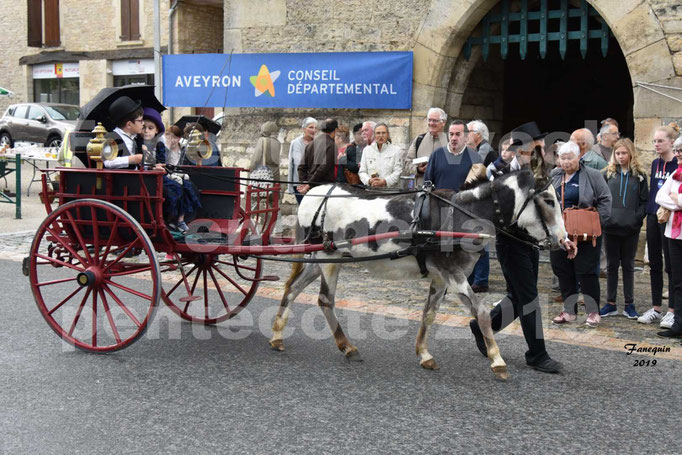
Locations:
(130, 20)
(43, 23)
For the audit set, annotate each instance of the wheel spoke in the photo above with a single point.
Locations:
(68, 247)
(77, 231)
(94, 318)
(78, 313)
(205, 295)
(48, 283)
(122, 255)
(128, 290)
(132, 270)
(220, 292)
(234, 283)
(110, 242)
(105, 304)
(183, 280)
(57, 261)
(78, 289)
(95, 233)
(233, 264)
(123, 307)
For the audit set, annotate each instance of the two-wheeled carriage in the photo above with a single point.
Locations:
(103, 258)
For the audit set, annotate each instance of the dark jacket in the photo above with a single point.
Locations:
(350, 161)
(486, 152)
(629, 198)
(593, 190)
(317, 166)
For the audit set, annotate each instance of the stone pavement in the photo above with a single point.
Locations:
(405, 299)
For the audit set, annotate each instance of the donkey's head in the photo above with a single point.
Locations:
(536, 208)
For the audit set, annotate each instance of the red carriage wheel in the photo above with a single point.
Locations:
(209, 288)
(94, 275)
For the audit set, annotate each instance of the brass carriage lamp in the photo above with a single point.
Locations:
(198, 147)
(96, 149)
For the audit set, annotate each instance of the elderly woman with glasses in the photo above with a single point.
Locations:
(669, 197)
(579, 186)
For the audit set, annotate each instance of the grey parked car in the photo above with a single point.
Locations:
(43, 123)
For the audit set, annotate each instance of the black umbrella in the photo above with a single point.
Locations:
(97, 109)
(208, 124)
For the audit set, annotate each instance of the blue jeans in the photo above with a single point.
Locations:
(481, 271)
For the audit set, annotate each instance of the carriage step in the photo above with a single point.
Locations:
(190, 298)
(269, 278)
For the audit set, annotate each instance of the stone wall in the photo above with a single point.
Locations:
(85, 26)
(201, 29)
(648, 31)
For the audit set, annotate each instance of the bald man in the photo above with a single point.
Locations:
(585, 140)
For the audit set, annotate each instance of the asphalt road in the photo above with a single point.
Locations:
(188, 389)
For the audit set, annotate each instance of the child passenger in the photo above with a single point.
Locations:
(180, 196)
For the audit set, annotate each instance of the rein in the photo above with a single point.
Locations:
(500, 218)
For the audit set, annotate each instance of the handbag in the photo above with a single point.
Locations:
(351, 177)
(663, 215)
(582, 225)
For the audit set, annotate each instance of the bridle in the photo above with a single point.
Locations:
(532, 194)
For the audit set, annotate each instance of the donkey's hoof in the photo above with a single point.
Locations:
(430, 365)
(277, 345)
(353, 354)
(501, 372)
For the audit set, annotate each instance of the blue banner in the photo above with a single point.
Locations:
(369, 80)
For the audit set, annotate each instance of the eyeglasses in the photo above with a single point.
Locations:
(678, 151)
(139, 120)
(431, 120)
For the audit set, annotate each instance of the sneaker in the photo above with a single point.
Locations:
(182, 227)
(564, 317)
(593, 319)
(609, 310)
(630, 312)
(668, 320)
(650, 316)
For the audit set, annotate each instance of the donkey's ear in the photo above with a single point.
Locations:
(476, 173)
(539, 168)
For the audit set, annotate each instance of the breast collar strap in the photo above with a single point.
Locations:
(322, 208)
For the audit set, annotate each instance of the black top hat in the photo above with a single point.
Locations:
(121, 107)
(526, 133)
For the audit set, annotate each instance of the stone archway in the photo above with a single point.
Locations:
(445, 29)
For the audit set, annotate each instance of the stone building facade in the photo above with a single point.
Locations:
(92, 48)
(647, 38)
(647, 48)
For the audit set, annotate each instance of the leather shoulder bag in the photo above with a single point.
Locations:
(582, 225)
